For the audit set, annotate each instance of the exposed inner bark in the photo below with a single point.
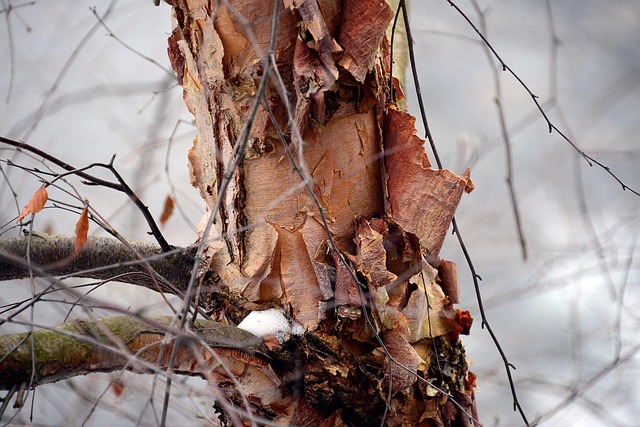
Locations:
(387, 210)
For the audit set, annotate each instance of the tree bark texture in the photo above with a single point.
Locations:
(386, 209)
(342, 236)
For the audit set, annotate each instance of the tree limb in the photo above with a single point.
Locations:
(100, 258)
(83, 346)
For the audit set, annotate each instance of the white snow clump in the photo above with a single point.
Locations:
(270, 322)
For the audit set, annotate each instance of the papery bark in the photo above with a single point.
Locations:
(386, 208)
(353, 259)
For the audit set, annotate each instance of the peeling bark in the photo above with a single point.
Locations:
(386, 209)
(377, 307)
(421, 200)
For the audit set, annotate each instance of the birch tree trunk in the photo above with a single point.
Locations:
(343, 234)
(322, 205)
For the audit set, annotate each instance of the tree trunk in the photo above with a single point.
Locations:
(342, 235)
(326, 209)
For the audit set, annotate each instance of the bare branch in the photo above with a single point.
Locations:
(82, 346)
(100, 258)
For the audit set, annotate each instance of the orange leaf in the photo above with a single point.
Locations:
(471, 381)
(36, 203)
(167, 210)
(117, 387)
(82, 227)
(464, 319)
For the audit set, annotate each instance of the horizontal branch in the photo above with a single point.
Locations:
(84, 346)
(100, 258)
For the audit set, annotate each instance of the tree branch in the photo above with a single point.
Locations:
(100, 258)
(84, 346)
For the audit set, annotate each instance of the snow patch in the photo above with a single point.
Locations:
(270, 322)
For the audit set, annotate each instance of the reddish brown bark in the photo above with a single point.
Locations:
(386, 208)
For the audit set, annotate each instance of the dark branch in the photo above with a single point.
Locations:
(100, 258)
(474, 275)
(590, 160)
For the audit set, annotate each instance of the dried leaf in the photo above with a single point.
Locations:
(167, 210)
(464, 319)
(36, 203)
(117, 387)
(82, 227)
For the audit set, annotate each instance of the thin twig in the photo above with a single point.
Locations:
(129, 48)
(505, 135)
(589, 159)
(91, 179)
(63, 72)
(508, 366)
(121, 185)
(577, 392)
(172, 188)
(485, 323)
(8, 9)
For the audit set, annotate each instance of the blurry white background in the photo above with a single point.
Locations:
(565, 317)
